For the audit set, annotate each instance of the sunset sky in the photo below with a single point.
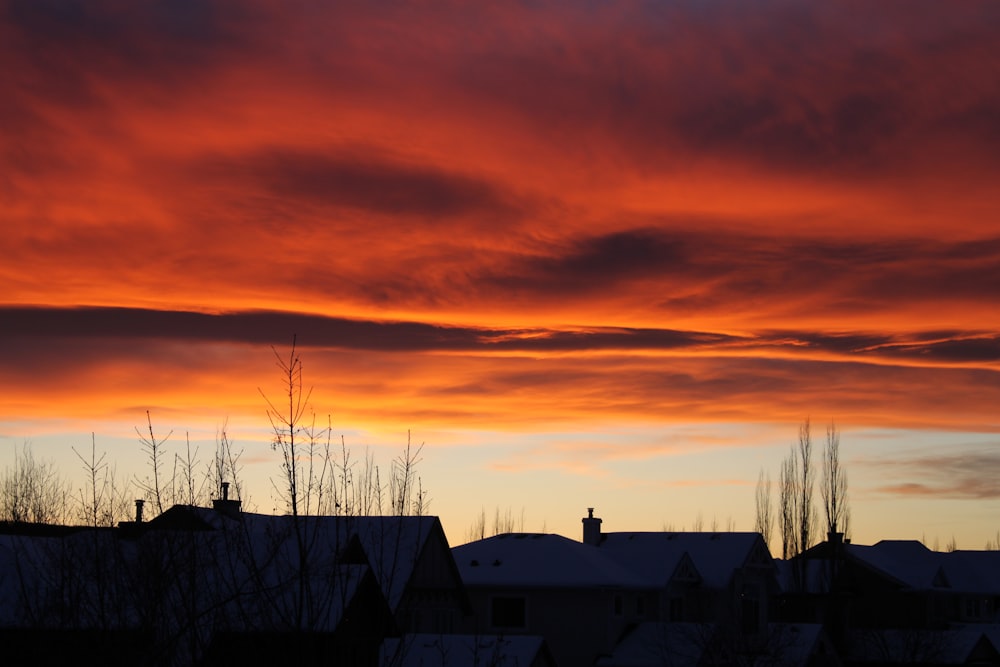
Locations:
(604, 254)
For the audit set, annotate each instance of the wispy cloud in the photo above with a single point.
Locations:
(956, 473)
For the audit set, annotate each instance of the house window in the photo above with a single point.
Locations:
(640, 606)
(508, 612)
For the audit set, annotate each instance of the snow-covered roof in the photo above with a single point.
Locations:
(907, 561)
(653, 644)
(973, 571)
(655, 555)
(656, 643)
(421, 650)
(391, 544)
(954, 646)
(540, 560)
(793, 644)
(913, 566)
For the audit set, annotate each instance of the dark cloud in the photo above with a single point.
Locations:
(77, 66)
(359, 179)
(256, 328)
(741, 268)
(273, 328)
(928, 347)
(130, 36)
(963, 349)
(602, 262)
(819, 88)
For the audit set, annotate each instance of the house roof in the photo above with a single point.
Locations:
(973, 571)
(391, 544)
(953, 646)
(540, 560)
(652, 644)
(419, 650)
(795, 643)
(907, 563)
(655, 555)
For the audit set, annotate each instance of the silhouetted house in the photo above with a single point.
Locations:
(570, 593)
(224, 587)
(897, 601)
(701, 577)
(719, 584)
(52, 609)
(587, 597)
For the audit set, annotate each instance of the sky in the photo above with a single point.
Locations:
(589, 254)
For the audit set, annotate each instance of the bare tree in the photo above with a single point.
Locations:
(288, 425)
(403, 496)
(806, 511)
(788, 505)
(477, 531)
(104, 501)
(834, 490)
(226, 467)
(764, 519)
(153, 487)
(32, 491)
(994, 543)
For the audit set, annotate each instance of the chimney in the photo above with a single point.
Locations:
(591, 528)
(138, 510)
(225, 506)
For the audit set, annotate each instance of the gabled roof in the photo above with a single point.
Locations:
(391, 545)
(421, 650)
(920, 568)
(907, 561)
(653, 644)
(953, 646)
(540, 560)
(655, 556)
(908, 564)
(795, 644)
